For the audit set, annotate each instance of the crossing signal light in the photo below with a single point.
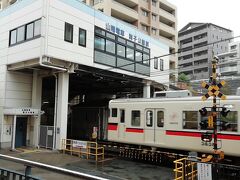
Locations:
(224, 112)
(203, 111)
(206, 137)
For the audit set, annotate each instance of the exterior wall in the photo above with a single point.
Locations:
(190, 62)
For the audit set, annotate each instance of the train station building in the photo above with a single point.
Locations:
(61, 62)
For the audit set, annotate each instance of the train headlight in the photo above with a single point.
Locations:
(206, 137)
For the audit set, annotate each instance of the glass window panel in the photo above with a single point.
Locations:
(110, 46)
(68, 32)
(155, 63)
(99, 43)
(20, 34)
(190, 120)
(122, 115)
(100, 31)
(130, 53)
(230, 122)
(114, 112)
(82, 37)
(13, 37)
(37, 27)
(160, 118)
(138, 56)
(121, 40)
(135, 118)
(121, 50)
(146, 59)
(29, 33)
(130, 43)
(111, 36)
(149, 118)
(139, 47)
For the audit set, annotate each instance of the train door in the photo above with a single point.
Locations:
(149, 132)
(121, 125)
(159, 126)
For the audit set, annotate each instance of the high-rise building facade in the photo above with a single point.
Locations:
(157, 18)
(198, 42)
(6, 3)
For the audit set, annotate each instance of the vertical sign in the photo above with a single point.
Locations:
(204, 171)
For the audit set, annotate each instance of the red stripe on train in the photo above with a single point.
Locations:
(183, 133)
(198, 134)
(134, 130)
(112, 127)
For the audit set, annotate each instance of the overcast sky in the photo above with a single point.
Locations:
(225, 13)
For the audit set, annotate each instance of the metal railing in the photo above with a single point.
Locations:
(185, 169)
(30, 164)
(89, 149)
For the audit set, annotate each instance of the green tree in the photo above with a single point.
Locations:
(183, 78)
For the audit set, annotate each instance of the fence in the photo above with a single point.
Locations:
(80, 148)
(187, 169)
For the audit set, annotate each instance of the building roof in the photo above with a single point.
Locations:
(193, 25)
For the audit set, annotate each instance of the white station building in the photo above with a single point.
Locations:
(58, 60)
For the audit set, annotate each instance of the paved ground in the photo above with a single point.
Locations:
(111, 168)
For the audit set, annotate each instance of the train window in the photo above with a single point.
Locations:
(149, 118)
(122, 115)
(230, 122)
(114, 112)
(135, 118)
(190, 119)
(160, 118)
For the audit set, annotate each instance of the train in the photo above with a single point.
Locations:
(174, 123)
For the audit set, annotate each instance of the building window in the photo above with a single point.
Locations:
(154, 31)
(99, 43)
(145, 13)
(190, 120)
(149, 118)
(161, 64)
(144, 27)
(20, 34)
(82, 37)
(230, 122)
(68, 32)
(24, 33)
(122, 116)
(114, 112)
(37, 28)
(110, 46)
(154, 3)
(160, 118)
(112, 50)
(138, 56)
(135, 118)
(29, 31)
(130, 53)
(154, 17)
(13, 37)
(155, 63)
(121, 50)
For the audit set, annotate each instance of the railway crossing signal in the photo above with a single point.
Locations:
(210, 121)
(213, 90)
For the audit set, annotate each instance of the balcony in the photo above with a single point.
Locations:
(167, 15)
(167, 28)
(229, 70)
(123, 12)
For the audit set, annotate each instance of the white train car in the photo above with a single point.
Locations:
(172, 123)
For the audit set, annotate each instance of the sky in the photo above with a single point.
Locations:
(224, 13)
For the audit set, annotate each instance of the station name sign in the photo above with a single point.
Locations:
(121, 32)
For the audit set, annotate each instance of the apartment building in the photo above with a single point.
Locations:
(198, 43)
(6, 3)
(157, 18)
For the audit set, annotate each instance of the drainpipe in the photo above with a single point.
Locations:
(55, 111)
(13, 132)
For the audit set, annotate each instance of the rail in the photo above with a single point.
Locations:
(87, 148)
(30, 164)
(185, 169)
